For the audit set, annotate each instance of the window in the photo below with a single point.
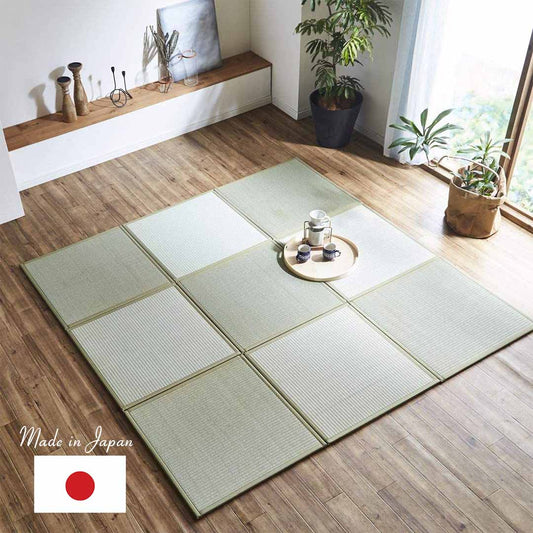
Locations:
(480, 69)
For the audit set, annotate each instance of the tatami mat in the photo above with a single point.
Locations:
(221, 432)
(442, 317)
(279, 199)
(216, 425)
(194, 234)
(253, 298)
(94, 275)
(340, 372)
(384, 251)
(150, 344)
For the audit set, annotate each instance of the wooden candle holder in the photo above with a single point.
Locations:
(80, 96)
(68, 109)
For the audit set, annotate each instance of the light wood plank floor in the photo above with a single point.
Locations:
(457, 458)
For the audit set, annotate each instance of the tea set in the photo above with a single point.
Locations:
(319, 254)
(316, 231)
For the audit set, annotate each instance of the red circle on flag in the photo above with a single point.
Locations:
(80, 486)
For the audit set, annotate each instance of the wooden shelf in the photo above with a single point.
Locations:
(50, 126)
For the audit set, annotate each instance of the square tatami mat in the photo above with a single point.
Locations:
(150, 344)
(253, 298)
(94, 275)
(384, 251)
(222, 432)
(279, 199)
(194, 234)
(339, 371)
(442, 317)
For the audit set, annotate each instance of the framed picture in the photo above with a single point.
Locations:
(196, 22)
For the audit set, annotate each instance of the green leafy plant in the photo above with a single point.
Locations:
(340, 39)
(482, 174)
(480, 113)
(166, 46)
(487, 152)
(424, 137)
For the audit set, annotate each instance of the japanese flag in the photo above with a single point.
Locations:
(79, 484)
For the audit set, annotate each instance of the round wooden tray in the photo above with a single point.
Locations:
(316, 269)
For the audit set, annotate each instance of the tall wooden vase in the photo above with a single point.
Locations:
(80, 96)
(69, 110)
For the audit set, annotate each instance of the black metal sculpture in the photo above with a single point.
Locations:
(119, 97)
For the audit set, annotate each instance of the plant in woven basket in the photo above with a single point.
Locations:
(477, 190)
(482, 174)
(340, 38)
(487, 152)
(166, 46)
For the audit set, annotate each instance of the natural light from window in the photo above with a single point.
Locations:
(483, 51)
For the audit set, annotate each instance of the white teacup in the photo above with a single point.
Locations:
(318, 217)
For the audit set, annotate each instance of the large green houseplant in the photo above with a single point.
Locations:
(338, 39)
(478, 189)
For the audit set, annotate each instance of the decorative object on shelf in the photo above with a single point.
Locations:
(125, 88)
(68, 109)
(190, 64)
(166, 46)
(197, 23)
(476, 191)
(80, 96)
(318, 267)
(339, 39)
(318, 228)
(119, 97)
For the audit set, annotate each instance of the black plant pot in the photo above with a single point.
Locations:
(334, 128)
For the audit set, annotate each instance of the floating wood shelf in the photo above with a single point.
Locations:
(50, 126)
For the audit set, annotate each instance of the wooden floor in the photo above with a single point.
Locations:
(457, 458)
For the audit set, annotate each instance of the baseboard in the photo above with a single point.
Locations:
(126, 149)
(304, 113)
(286, 108)
(370, 134)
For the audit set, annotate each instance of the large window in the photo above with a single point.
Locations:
(480, 69)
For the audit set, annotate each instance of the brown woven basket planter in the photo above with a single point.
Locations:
(471, 214)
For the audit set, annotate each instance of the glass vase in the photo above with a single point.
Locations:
(190, 64)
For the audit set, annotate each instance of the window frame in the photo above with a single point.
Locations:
(518, 121)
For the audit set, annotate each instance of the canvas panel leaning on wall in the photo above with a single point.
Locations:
(196, 22)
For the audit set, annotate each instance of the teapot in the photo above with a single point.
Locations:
(318, 228)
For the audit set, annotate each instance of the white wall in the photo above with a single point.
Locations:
(39, 38)
(376, 78)
(272, 24)
(10, 205)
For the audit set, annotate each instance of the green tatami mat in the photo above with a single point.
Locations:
(339, 371)
(93, 275)
(442, 317)
(253, 298)
(150, 344)
(384, 251)
(221, 432)
(279, 199)
(194, 234)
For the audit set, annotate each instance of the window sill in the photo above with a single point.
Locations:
(509, 210)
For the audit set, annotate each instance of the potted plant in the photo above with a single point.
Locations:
(166, 46)
(340, 38)
(478, 189)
